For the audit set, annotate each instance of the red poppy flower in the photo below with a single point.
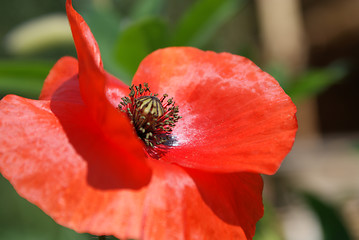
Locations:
(76, 155)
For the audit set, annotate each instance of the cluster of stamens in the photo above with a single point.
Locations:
(153, 118)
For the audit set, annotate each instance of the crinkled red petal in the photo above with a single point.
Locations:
(58, 163)
(235, 116)
(59, 159)
(94, 83)
(191, 204)
(76, 156)
(62, 87)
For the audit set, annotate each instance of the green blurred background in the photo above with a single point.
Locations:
(310, 46)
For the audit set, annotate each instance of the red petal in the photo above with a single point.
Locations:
(235, 116)
(199, 205)
(95, 84)
(62, 170)
(63, 80)
(65, 165)
(64, 69)
(92, 77)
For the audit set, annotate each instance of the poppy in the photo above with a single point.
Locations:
(102, 158)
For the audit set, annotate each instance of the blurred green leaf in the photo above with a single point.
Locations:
(106, 237)
(356, 145)
(138, 40)
(24, 78)
(331, 222)
(315, 81)
(146, 8)
(105, 26)
(268, 227)
(280, 73)
(202, 20)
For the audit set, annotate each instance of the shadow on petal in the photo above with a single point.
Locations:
(110, 165)
(236, 198)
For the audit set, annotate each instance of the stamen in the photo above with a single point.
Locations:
(153, 118)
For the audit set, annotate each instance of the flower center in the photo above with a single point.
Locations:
(153, 118)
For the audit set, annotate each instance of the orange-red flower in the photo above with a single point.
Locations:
(75, 154)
